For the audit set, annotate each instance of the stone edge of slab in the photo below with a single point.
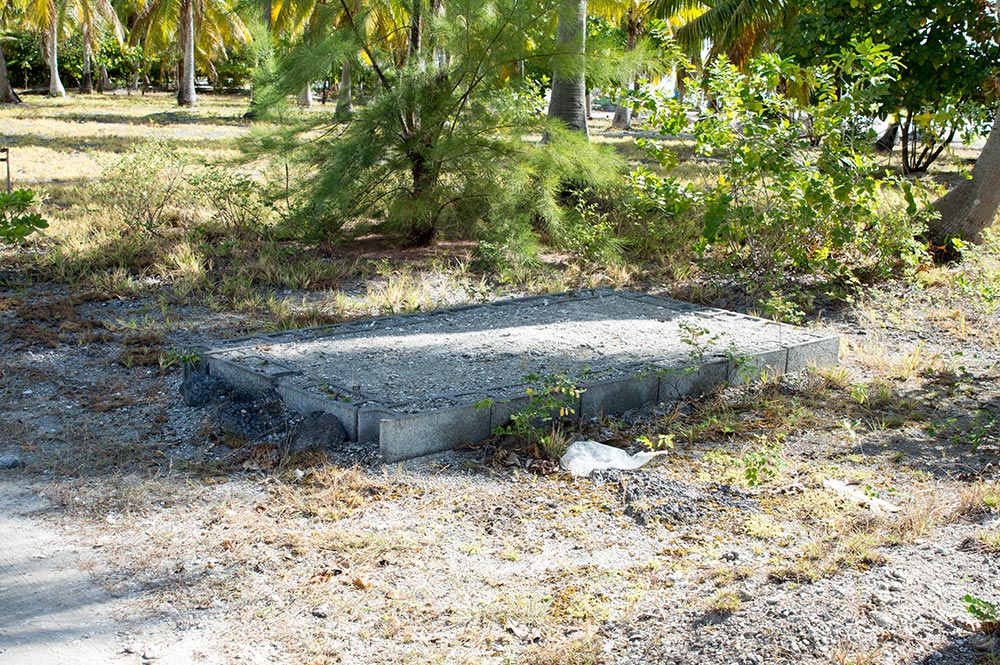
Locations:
(404, 436)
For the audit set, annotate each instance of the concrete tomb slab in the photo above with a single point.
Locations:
(422, 383)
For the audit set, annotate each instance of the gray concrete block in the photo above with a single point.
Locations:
(698, 379)
(396, 374)
(618, 395)
(748, 368)
(822, 352)
(432, 432)
(369, 422)
(249, 373)
(302, 400)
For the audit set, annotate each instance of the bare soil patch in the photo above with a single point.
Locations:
(471, 557)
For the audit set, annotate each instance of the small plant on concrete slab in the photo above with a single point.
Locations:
(698, 338)
(551, 399)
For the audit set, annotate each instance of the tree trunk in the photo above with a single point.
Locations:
(185, 87)
(569, 85)
(972, 206)
(440, 56)
(887, 141)
(416, 32)
(7, 94)
(87, 80)
(623, 117)
(344, 96)
(56, 88)
(305, 99)
(623, 114)
(104, 83)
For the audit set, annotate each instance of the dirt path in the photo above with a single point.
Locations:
(50, 610)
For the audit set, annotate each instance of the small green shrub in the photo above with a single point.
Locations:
(236, 199)
(551, 399)
(141, 187)
(981, 609)
(762, 460)
(16, 219)
(591, 235)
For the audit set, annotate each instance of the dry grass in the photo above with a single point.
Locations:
(978, 498)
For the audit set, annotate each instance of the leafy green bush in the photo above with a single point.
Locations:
(16, 220)
(981, 609)
(238, 202)
(25, 66)
(551, 399)
(796, 187)
(439, 148)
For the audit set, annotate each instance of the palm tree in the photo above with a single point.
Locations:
(737, 29)
(185, 36)
(569, 85)
(93, 17)
(7, 94)
(202, 28)
(46, 15)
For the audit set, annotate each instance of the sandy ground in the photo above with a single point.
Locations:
(50, 609)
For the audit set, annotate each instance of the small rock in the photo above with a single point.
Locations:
(253, 418)
(881, 620)
(200, 389)
(317, 431)
(321, 611)
(10, 461)
(981, 642)
(896, 587)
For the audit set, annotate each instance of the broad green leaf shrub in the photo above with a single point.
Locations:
(795, 189)
(17, 220)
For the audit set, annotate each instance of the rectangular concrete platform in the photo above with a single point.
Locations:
(422, 383)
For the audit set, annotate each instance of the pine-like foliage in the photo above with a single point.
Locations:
(440, 144)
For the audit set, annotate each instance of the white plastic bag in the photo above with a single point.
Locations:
(584, 457)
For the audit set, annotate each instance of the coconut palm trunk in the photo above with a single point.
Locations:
(972, 206)
(56, 88)
(623, 114)
(87, 79)
(185, 88)
(7, 94)
(569, 85)
(104, 82)
(344, 96)
(305, 99)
